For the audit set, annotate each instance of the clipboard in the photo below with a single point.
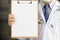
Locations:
(26, 19)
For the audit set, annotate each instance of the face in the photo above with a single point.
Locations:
(46, 1)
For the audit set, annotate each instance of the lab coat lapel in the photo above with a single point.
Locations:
(41, 13)
(51, 14)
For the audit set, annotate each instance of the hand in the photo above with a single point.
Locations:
(11, 19)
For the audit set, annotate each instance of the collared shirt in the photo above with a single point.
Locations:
(51, 4)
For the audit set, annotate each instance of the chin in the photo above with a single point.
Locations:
(47, 1)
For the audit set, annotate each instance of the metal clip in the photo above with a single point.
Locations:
(19, 1)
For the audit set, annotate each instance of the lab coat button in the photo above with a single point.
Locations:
(51, 25)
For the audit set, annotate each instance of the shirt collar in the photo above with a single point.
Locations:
(51, 4)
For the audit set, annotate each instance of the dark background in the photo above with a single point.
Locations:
(4, 27)
(59, 0)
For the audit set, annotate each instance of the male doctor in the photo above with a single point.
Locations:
(49, 20)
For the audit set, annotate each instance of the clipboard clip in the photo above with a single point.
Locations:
(23, 2)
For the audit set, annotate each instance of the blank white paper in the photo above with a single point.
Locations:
(26, 19)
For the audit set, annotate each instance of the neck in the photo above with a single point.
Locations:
(46, 2)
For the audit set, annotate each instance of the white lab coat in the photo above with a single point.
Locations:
(51, 29)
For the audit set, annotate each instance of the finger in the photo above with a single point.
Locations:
(11, 16)
(11, 19)
(10, 23)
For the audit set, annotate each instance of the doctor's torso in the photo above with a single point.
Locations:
(51, 29)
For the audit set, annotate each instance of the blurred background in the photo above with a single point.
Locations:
(4, 11)
(4, 27)
(5, 33)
